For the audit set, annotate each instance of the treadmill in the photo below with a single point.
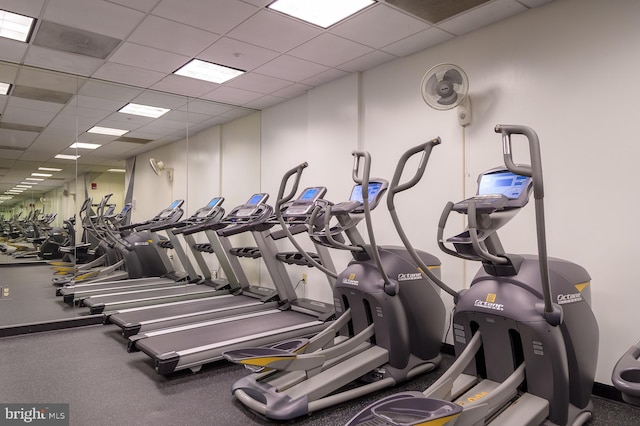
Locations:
(192, 345)
(239, 296)
(147, 266)
(193, 287)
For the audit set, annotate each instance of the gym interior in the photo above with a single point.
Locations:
(313, 95)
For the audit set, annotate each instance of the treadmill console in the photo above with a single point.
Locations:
(209, 209)
(499, 189)
(306, 201)
(169, 210)
(251, 206)
(376, 189)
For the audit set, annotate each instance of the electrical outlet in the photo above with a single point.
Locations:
(304, 278)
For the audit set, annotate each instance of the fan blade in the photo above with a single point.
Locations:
(453, 75)
(432, 85)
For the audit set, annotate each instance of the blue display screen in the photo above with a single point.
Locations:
(309, 194)
(356, 193)
(504, 183)
(214, 202)
(175, 204)
(255, 199)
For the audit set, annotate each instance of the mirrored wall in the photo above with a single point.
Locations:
(64, 140)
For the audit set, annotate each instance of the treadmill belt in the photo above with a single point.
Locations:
(207, 336)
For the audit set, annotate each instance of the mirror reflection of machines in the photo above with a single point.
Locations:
(525, 337)
(389, 326)
(240, 296)
(193, 285)
(194, 344)
(137, 248)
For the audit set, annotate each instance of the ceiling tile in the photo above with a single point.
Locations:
(330, 50)
(8, 72)
(44, 79)
(290, 68)
(188, 118)
(368, 61)
(172, 36)
(111, 91)
(379, 26)
(265, 102)
(31, 8)
(149, 58)
(258, 83)
(97, 16)
(10, 154)
(184, 85)
(237, 54)
(84, 111)
(418, 42)
(141, 5)
(232, 95)
(259, 30)
(36, 105)
(12, 50)
(61, 61)
(482, 16)
(27, 116)
(292, 91)
(216, 16)
(17, 139)
(91, 102)
(159, 99)
(128, 75)
(325, 77)
(205, 107)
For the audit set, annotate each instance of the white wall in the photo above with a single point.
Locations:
(567, 69)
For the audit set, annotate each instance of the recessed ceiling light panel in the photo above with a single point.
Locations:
(322, 13)
(67, 157)
(208, 71)
(4, 88)
(49, 169)
(144, 110)
(84, 145)
(14, 26)
(42, 174)
(107, 131)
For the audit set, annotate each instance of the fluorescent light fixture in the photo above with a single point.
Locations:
(116, 170)
(49, 169)
(144, 110)
(42, 174)
(107, 131)
(67, 157)
(18, 190)
(6, 197)
(323, 13)
(29, 183)
(35, 179)
(24, 186)
(208, 71)
(85, 145)
(14, 26)
(4, 88)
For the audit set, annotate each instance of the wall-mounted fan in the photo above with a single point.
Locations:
(445, 86)
(159, 166)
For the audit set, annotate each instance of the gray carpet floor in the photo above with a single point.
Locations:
(90, 369)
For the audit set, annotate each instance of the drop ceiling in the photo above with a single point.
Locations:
(88, 58)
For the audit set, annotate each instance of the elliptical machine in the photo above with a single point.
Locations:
(390, 319)
(525, 337)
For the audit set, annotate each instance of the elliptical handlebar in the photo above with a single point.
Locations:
(282, 199)
(389, 287)
(475, 242)
(552, 312)
(395, 186)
